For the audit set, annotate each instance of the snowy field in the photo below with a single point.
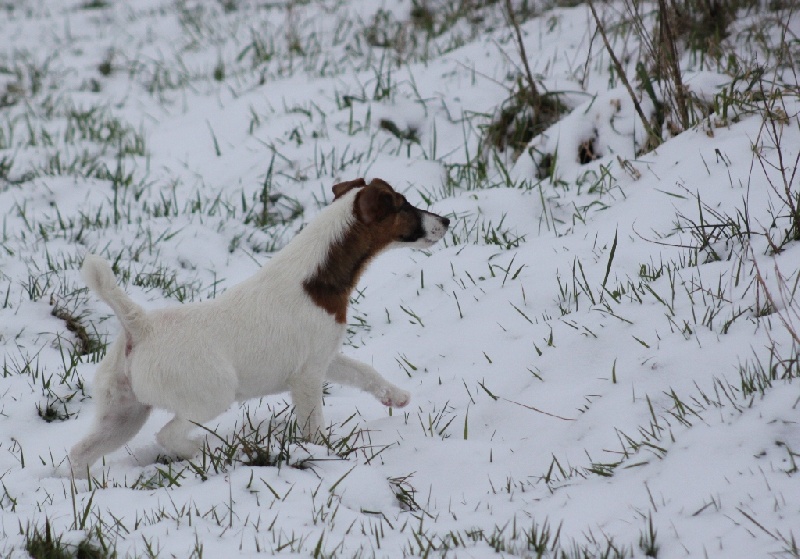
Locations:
(602, 353)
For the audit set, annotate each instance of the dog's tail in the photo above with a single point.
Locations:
(99, 277)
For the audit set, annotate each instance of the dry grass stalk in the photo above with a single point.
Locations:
(654, 139)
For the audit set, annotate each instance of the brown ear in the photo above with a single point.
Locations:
(374, 204)
(343, 188)
(381, 183)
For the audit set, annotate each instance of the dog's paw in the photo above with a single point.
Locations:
(179, 448)
(68, 469)
(77, 463)
(188, 449)
(395, 397)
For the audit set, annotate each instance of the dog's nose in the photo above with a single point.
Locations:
(445, 221)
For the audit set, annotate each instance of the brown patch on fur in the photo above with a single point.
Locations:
(382, 216)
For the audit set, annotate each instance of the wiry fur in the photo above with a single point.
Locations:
(279, 330)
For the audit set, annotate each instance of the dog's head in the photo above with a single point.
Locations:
(390, 217)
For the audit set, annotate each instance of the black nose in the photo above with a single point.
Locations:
(445, 221)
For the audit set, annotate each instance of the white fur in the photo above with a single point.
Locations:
(261, 337)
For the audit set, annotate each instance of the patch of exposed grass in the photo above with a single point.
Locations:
(521, 117)
(43, 544)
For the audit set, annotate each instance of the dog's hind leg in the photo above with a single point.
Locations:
(119, 414)
(306, 390)
(211, 391)
(345, 370)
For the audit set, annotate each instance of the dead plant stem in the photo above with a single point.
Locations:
(668, 42)
(651, 133)
(535, 97)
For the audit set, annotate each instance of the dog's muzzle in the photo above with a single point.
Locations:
(435, 226)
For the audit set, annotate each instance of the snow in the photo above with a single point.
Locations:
(578, 348)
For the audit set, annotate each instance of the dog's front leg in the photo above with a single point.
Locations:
(345, 370)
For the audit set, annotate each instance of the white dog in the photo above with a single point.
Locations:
(279, 330)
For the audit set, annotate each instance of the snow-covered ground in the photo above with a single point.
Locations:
(602, 362)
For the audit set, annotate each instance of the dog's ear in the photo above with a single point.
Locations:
(343, 188)
(375, 203)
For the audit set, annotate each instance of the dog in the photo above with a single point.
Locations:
(279, 330)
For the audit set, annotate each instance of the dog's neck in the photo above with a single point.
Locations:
(328, 256)
(332, 283)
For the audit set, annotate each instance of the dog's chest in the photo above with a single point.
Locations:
(298, 347)
(274, 330)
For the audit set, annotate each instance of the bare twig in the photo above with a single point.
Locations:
(784, 317)
(535, 97)
(771, 125)
(668, 44)
(654, 137)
